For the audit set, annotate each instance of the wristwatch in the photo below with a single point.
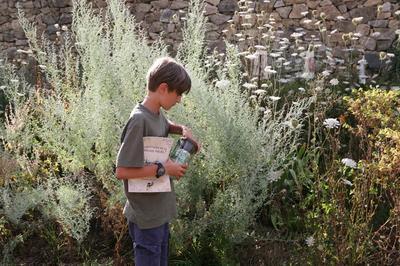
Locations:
(160, 169)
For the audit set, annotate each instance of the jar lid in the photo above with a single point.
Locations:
(189, 145)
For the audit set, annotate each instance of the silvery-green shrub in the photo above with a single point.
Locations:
(16, 204)
(64, 200)
(94, 77)
(69, 205)
(242, 151)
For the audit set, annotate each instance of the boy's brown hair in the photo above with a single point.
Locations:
(167, 70)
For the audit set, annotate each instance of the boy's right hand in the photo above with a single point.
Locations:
(175, 169)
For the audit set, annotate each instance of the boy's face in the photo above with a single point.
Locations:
(170, 99)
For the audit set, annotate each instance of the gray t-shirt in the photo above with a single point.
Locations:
(147, 210)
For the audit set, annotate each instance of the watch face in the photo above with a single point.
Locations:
(160, 170)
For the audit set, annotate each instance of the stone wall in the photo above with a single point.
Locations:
(164, 17)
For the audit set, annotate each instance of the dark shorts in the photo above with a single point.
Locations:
(150, 245)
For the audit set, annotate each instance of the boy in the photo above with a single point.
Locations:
(148, 214)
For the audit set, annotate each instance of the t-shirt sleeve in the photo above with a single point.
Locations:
(131, 152)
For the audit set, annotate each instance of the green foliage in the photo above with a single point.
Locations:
(356, 206)
(191, 50)
(9, 247)
(70, 121)
(16, 204)
(241, 154)
(91, 83)
(69, 205)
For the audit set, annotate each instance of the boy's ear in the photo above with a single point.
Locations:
(163, 88)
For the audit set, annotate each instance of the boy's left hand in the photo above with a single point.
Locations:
(187, 133)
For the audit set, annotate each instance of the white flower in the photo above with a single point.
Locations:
(57, 26)
(251, 56)
(349, 163)
(260, 91)
(304, 13)
(307, 21)
(243, 53)
(331, 123)
(280, 59)
(274, 98)
(326, 73)
(3, 87)
(301, 89)
(14, 80)
(222, 83)
(397, 13)
(296, 35)
(249, 86)
(293, 123)
(347, 182)
(307, 75)
(310, 241)
(267, 111)
(275, 55)
(318, 88)
(64, 28)
(340, 18)
(334, 82)
(270, 71)
(260, 47)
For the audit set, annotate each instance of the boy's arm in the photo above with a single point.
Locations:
(180, 129)
(135, 172)
(175, 128)
(171, 168)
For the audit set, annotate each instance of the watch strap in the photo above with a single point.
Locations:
(160, 169)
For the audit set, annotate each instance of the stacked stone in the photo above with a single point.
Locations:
(369, 25)
(164, 18)
(46, 14)
(161, 18)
